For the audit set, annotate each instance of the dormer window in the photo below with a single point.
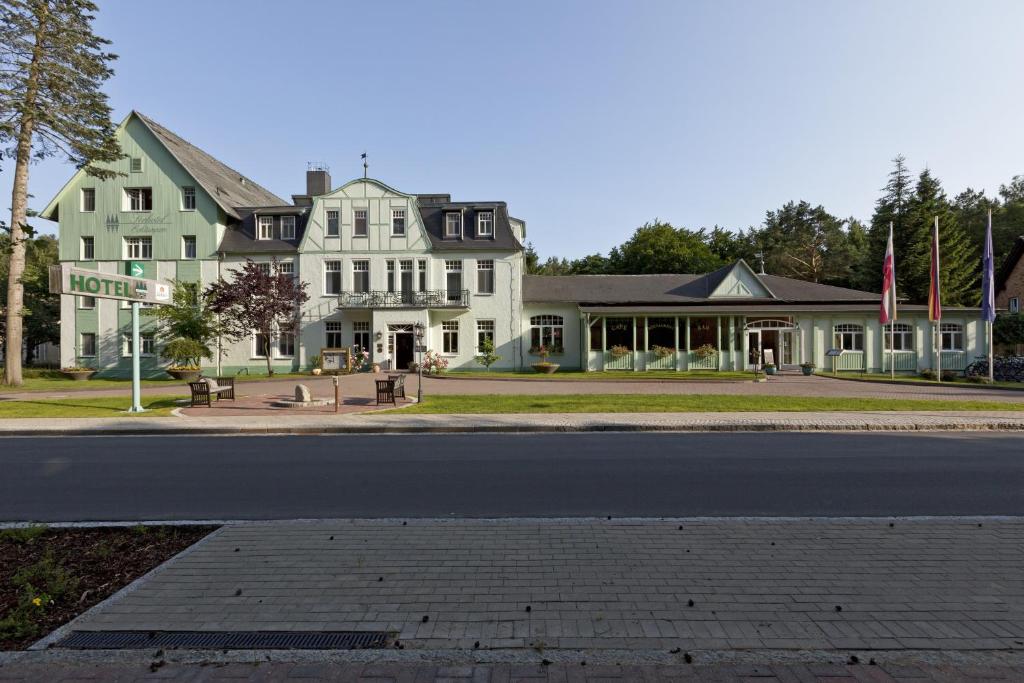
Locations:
(287, 227)
(266, 228)
(359, 223)
(453, 224)
(485, 224)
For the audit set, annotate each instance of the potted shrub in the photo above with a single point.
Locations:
(705, 351)
(315, 363)
(769, 369)
(808, 368)
(662, 351)
(544, 366)
(187, 356)
(77, 372)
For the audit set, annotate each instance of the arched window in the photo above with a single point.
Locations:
(849, 337)
(902, 336)
(952, 336)
(547, 331)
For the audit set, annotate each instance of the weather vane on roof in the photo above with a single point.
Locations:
(366, 166)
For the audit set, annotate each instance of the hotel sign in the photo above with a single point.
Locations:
(66, 279)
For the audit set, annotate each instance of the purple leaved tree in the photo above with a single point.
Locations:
(257, 300)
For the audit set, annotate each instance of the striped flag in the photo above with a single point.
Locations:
(988, 289)
(887, 312)
(934, 290)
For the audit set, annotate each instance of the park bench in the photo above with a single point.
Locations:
(208, 387)
(390, 388)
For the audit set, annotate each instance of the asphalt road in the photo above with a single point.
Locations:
(542, 475)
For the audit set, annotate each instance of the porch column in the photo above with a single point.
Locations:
(635, 364)
(604, 340)
(686, 321)
(869, 344)
(718, 341)
(676, 346)
(586, 344)
(730, 342)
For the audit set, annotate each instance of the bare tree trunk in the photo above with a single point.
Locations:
(270, 369)
(19, 214)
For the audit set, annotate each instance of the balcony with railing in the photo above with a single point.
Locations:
(431, 298)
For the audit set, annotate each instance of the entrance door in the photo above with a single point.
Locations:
(770, 342)
(403, 350)
(753, 348)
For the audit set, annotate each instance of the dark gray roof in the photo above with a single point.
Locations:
(229, 188)
(432, 210)
(240, 238)
(680, 289)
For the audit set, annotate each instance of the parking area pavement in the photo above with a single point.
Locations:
(599, 585)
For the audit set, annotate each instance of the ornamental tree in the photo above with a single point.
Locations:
(257, 301)
(487, 356)
(52, 69)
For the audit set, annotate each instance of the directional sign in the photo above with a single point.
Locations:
(136, 269)
(66, 279)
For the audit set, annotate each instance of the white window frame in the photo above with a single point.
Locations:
(955, 333)
(542, 332)
(288, 227)
(421, 274)
(856, 333)
(361, 330)
(144, 243)
(337, 223)
(188, 196)
(1013, 305)
(485, 327)
(81, 344)
(395, 217)
(480, 222)
(81, 205)
(255, 345)
(332, 266)
(126, 345)
(901, 332)
(366, 222)
(264, 227)
(483, 266)
(449, 334)
(84, 306)
(265, 268)
(130, 199)
(92, 247)
(449, 224)
(280, 335)
(286, 268)
(331, 328)
(185, 239)
(361, 266)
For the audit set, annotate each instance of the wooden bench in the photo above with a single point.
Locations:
(206, 388)
(399, 381)
(385, 391)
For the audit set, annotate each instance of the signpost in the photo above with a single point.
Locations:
(66, 279)
(834, 354)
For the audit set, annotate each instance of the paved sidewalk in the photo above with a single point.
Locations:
(214, 670)
(642, 586)
(395, 422)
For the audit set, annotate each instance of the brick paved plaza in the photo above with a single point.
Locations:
(842, 585)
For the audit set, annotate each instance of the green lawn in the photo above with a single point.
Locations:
(917, 379)
(52, 380)
(616, 375)
(661, 403)
(109, 406)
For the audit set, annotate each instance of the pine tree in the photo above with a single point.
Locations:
(958, 257)
(891, 207)
(52, 67)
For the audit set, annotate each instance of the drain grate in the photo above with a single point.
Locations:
(225, 640)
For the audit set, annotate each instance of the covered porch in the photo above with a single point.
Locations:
(705, 342)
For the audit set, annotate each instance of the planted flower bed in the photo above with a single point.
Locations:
(50, 576)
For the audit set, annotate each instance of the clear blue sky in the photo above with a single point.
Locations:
(588, 118)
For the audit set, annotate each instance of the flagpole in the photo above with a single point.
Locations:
(936, 293)
(988, 298)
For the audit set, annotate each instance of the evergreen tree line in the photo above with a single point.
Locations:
(807, 242)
